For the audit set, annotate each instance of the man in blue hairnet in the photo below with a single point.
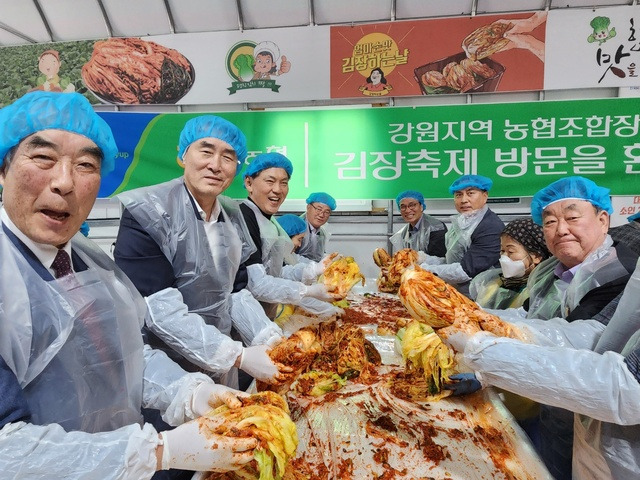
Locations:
(473, 241)
(319, 208)
(422, 232)
(583, 279)
(275, 275)
(184, 245)
(74, 371)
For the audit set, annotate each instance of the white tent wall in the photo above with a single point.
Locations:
(357, 227)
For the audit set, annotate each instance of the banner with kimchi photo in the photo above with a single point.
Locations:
(266, 65)
(492, 53)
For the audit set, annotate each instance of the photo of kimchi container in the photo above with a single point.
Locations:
(459, 74)
(471, 70)
(135, 71)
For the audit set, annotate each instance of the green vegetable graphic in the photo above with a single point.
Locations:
(601, 32)
(244, 63)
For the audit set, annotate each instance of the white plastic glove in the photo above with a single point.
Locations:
(191, 447)
(257, 363)
(319, 291)
(321, 266)
(459, 340)
(207, 396)
(329, 259)
(451, 273)
(431, 260)
(274, 340)
(422, 257)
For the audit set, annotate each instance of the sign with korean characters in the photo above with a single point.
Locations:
(589, 48)
(484, 53)
(374, 153)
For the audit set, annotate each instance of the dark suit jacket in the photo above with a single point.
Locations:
(484, 251)
(13, 404)
(141, 258)
(595, 301)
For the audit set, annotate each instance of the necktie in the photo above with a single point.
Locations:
(61, 265)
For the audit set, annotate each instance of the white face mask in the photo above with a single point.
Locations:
(512, 268)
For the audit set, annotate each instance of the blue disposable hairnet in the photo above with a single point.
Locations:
(468, 181)
(634, 217)
(571, 187)
(215, 127)
(84, 228)
(292, 224)
(321, 197)
(39, 110)
(410, 194)
(268, 160)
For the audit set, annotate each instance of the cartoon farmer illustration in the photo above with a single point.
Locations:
(49, 81)
(266, 56)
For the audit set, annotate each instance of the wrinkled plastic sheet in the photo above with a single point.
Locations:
(365, 431)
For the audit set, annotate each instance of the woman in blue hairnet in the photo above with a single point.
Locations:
(422, 232)
(295, 227)
(473, 241)
(319, 208)
(267, 182)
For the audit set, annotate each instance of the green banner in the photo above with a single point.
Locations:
(374, 153)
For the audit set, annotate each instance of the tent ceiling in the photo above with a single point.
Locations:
(40, 21)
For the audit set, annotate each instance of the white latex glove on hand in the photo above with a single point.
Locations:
(322, 265)
(187, 447)
(319, 291)
(207, 396)
(458, 340)
(431, 260)
(257, 363)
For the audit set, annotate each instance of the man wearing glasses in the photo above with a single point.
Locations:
(319, 208)
(422, 232)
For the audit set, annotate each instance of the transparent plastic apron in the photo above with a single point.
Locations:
(419, 241)
(277, 248)
(551, 297)
(75, 342)
(276, 244)
(313, 245)
(458, 237)
(205, 263)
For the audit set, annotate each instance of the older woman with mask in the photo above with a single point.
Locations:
(522, 248)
